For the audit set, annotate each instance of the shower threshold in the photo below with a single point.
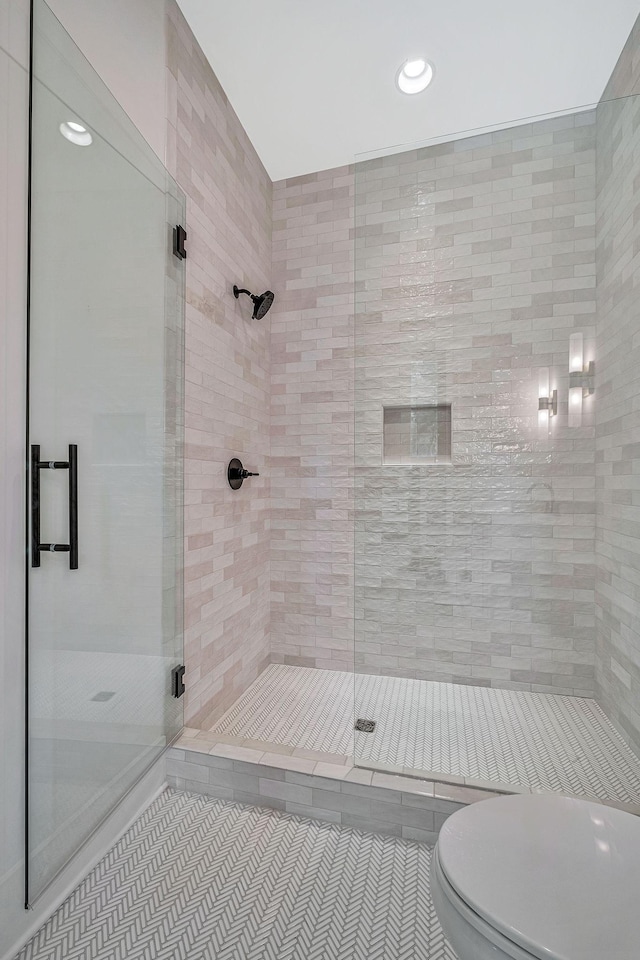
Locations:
(505, 740)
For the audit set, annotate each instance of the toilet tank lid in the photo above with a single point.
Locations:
(558, 876)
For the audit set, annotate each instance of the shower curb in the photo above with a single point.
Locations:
(318, 786)
(394, 801)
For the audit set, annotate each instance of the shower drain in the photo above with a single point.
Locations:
(365, 726)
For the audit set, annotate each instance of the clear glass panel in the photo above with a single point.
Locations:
(106, 352)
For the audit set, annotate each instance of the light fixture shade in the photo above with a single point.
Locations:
(576, 353)
(543, 382)
(543, 422)
(575, 406)
(543, 394)
(580, 379)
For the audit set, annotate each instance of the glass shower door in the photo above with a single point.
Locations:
(105, 437)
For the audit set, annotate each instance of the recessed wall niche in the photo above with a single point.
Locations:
(420, 434)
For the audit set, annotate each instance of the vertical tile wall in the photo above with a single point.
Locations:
(625, 79)
(475, 262)
(312, 421)
(227, 381)
(617, 397)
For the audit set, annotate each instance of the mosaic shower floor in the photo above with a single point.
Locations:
(529, 740)
(200, 879)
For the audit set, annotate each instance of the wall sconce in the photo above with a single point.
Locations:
(581, 379)
(547, 401)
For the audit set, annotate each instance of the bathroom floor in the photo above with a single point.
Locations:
(101, 691)
(507, 737)
(200, 878)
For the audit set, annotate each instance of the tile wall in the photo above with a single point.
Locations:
(312, 421)
(617, 398)
(625, 79)
(475, 263)
(227, 381)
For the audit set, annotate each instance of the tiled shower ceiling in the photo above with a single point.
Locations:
(313, 83)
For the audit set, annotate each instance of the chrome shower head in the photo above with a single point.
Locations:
(261, 304)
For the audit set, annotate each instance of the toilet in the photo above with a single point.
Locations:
(539, 877)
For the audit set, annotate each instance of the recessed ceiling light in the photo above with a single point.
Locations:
(76, 133)
(414, 76)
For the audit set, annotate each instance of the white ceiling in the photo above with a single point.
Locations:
(313, 81)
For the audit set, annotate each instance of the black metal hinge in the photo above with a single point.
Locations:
(179, 237)
(177, 680)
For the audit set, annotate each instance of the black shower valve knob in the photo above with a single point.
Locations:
(236, 474)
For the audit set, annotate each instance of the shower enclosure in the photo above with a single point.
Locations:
(104, 563)
(469, 309)
(494, 631)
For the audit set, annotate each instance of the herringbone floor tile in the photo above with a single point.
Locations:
(537, 740)
(199, 879)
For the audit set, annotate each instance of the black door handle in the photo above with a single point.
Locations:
(72, 466)
(73, 506)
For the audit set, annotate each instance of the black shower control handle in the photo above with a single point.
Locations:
(236, 474)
